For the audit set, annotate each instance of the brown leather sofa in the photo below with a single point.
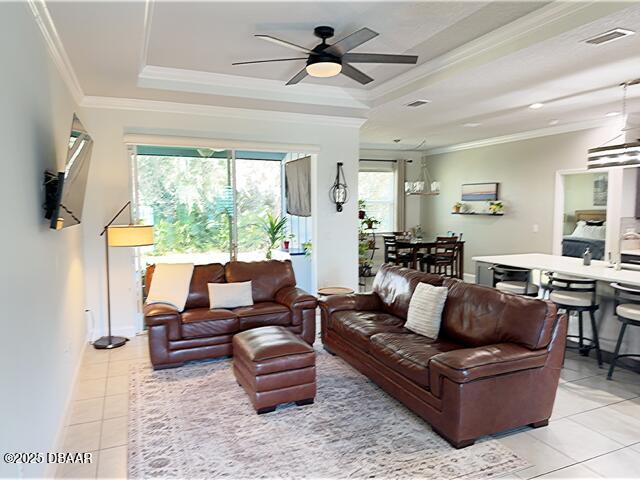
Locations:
(198, 332)
(495, 365)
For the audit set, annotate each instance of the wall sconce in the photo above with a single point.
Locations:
(339, 192)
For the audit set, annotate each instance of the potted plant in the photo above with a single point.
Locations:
(370, 222)
(496, 207)
(306, 246)
(457, 207)
(362, 207)
(287, 241)
(274, 228)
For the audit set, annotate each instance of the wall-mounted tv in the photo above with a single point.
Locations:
(65, 190)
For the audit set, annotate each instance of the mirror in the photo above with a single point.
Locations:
(585, 214)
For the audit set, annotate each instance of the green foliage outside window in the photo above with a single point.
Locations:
(190, 202)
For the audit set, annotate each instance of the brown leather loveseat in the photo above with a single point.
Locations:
(495, 365)
(198, 332)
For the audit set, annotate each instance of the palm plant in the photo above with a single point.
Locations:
(275, 228)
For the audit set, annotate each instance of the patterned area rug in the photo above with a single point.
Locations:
(196, 422)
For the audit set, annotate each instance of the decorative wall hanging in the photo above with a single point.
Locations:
(479, 192)
(339, 192)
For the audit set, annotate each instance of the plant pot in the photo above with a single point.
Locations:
(361, 214)
(286, 244)
(456, 209)
(369, 225)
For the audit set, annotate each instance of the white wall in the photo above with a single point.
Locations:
(526, 173)
(42, 295)
(335, 243)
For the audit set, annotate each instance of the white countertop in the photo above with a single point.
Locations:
(598, 270)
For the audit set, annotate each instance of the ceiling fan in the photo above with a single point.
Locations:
(326, 60)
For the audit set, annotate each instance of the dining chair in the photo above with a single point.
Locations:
(391, 253)
(443, 260)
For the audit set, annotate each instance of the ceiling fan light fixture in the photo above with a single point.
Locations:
(323, 67)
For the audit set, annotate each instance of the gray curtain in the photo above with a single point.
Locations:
(297, 175)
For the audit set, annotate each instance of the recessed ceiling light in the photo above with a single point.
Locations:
(418, 103)
(609, 36)
(554, 122)
(612, 114)
(536, 106)
(472, 125)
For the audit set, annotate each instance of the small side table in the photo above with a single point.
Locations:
(327, 291)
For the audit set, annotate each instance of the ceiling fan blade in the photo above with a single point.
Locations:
(297, 77)
(267, 61)
(351, 41)
(379, 58)
(356, 74)
(283, 43)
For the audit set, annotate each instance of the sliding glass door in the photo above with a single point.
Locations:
(207, 205)
(188, 195)
(258, 194)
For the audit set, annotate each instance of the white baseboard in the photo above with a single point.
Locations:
(469, 278)
(50, 469)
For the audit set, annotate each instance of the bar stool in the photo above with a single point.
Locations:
(627, 308)
(513, 280)
(574, 294)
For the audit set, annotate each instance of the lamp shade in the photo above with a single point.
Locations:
(130, 235)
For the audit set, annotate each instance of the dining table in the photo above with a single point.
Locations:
(428, 246)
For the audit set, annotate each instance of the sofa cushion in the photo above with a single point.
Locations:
(395, 285)
(198, 290)
(475, 316)
(266, 277)
(357, 327)
(202, 322)
(408, 354)
(425, 310)
(262, 314)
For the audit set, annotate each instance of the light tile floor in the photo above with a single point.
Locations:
(594, 431)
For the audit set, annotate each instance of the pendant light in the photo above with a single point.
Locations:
(622, 154)
(424, 185)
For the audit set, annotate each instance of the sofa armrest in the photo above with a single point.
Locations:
(352, 301)
(468, 364)
(163, 314)
(296, 298)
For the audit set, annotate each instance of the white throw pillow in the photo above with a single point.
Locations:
(425, 310)
(170, 284)
(230, 295)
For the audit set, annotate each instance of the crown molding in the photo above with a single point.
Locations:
(515, 137)
(133, 104)
(537, 25)
(56, 48)
(146, 32)
(176, 79)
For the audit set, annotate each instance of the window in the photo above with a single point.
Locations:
(377, 188)
(207, 205)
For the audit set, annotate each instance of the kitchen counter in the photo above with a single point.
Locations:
(608, 324)
(598, 270)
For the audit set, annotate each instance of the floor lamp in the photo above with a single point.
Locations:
(121, 236)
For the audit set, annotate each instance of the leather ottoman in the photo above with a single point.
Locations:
(274, 366)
